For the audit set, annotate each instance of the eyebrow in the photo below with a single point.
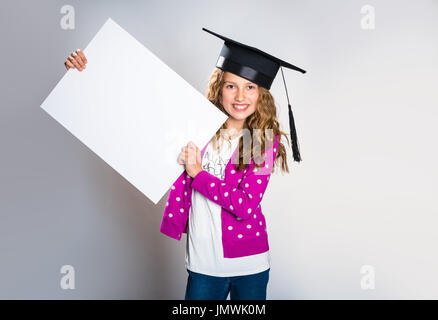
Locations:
(236, 83)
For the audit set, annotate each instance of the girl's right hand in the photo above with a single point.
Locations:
(76, 60)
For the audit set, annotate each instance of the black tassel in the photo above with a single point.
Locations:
(293, 136)
(293, 132)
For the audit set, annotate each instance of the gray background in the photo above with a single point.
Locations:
(366, 113)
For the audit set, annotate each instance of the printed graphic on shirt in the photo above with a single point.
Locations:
(215, 164)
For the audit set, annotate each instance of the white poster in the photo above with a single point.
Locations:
(132, 110)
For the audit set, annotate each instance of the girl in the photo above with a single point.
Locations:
(217, 199)
(216, 265)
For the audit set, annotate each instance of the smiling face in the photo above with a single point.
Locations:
(239, 97)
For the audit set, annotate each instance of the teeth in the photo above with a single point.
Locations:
(241, 107)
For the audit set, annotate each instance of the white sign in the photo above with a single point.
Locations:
(132, 110)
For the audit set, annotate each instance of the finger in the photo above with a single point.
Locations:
(182, 159)
(82, 55)
(78, 59)
(191, 157)
(75, 63)
(193, 146)
(68, 64)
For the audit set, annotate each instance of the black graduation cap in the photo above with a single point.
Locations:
(258, 67)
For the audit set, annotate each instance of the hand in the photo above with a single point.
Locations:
(76, 60)
(190, 156)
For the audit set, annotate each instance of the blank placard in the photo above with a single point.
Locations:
(132, 110)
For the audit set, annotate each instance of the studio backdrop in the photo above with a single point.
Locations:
(355, 219)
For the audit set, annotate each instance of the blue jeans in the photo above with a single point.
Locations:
(205, 287)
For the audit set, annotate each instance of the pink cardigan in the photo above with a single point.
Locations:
(239, 195)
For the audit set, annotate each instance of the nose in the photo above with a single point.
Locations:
(240, 95)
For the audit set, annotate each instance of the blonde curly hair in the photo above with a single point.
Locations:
(264, 117)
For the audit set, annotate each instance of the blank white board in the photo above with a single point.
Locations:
(132, 110)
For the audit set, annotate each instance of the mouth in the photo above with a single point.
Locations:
(240, 107)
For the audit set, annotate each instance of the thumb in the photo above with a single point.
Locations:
(198, 155)
(191, 144)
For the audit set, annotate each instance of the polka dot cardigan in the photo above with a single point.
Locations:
(239, 195)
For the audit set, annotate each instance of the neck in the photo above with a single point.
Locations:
(234, 126)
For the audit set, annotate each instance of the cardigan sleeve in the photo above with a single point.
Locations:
(177, 207)
(242, 198)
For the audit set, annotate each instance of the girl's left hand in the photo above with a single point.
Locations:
(190, 156)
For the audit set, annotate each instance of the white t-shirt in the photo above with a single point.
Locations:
(204, 251)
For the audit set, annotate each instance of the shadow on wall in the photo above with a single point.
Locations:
(145, 263)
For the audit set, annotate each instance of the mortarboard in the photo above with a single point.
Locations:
(258, 67)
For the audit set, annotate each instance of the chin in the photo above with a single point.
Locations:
(239, 116)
